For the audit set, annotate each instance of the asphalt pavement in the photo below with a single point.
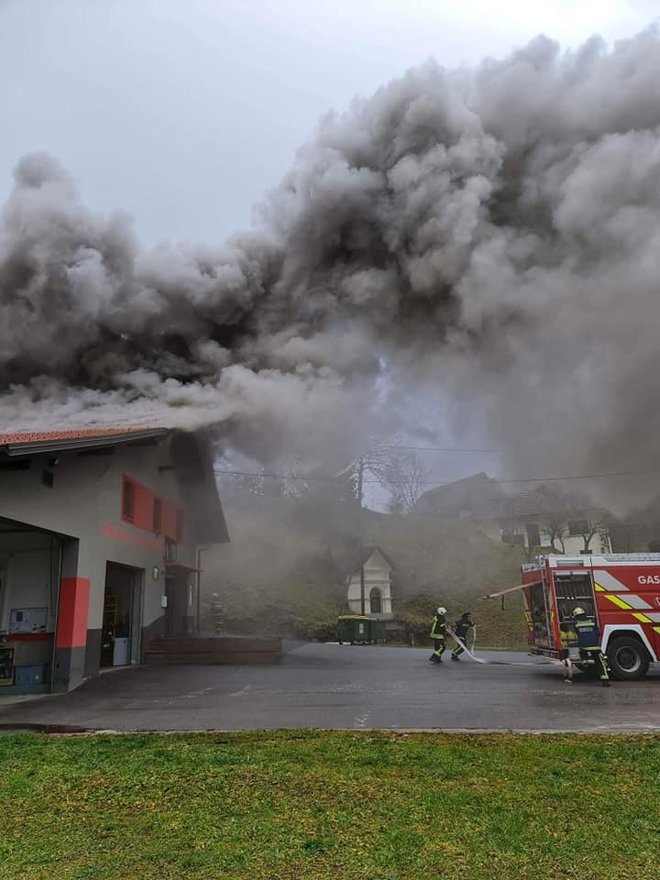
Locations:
(356, 687)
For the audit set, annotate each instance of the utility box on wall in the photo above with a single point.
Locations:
(28, 620)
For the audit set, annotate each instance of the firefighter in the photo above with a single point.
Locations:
(588, 639)
(462, 626)
(438, 634)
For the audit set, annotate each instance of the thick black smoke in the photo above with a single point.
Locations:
(494, 232)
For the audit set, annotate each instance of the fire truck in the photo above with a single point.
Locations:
(621, 591)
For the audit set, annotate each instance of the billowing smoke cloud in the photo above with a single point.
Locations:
(494, 232)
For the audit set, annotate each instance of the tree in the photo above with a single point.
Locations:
(236, 482)
(557, 530)
(590, 529)
(401, 472)
(407, 477)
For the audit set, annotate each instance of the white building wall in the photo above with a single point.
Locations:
(573, 544)
(376, 575)
(85, 504)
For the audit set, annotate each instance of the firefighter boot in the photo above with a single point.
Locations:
(455, 657)
(604, 670)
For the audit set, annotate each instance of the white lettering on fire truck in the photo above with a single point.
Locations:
(648, 579)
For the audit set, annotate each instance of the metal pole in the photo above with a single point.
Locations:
(360, 491)
(360, 481)
(199, 586)
(362, 598)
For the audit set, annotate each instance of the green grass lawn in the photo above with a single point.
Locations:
(329, 805)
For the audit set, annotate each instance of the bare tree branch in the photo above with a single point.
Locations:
(402, 473)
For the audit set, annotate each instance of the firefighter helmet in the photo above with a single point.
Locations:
(442, 610)
(578, 611)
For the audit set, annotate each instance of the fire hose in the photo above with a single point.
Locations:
(473, 656)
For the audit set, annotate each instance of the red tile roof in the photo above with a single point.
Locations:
(73, 434)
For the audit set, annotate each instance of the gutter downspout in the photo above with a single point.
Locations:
(200, 550)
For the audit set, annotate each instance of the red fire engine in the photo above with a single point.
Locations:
(622, 592)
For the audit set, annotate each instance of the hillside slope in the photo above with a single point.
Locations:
(285, 573)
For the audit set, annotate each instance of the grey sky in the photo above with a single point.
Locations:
(183, 113)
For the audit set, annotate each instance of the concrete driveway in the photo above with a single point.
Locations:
(359, 687)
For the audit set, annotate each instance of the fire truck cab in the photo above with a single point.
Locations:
(621, 591)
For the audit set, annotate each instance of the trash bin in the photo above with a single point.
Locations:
(377, 631)
(353, 628)
(120, 652)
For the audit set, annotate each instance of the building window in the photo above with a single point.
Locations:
(179, 526)
(157, 518)
(171, 550)
(577, 527)
(375, 601)
(128, 500)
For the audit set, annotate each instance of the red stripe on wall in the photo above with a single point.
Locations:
(72, 613)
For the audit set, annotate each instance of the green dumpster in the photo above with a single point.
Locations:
(377, 631)
(353, 628)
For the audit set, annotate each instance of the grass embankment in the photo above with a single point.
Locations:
(329, 805)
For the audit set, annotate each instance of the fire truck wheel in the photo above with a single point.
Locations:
(628, 658)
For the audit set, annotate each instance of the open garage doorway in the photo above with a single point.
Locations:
(30, 573)
(122, 615)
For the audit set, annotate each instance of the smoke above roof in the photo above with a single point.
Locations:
(494, 232)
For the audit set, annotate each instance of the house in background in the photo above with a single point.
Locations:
(377, 585)
(477, 499)
(98, 537)
(542, 519)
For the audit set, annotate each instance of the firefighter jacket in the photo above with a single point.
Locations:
(439, 627)
(462, 627)
(588, 633)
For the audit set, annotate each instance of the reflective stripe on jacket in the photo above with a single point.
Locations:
(439, 627)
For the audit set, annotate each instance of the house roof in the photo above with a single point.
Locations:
(480, 497)
(35, 442)
(543, 500)
(368, 552)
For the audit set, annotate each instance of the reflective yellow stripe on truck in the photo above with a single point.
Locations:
(618, 602)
